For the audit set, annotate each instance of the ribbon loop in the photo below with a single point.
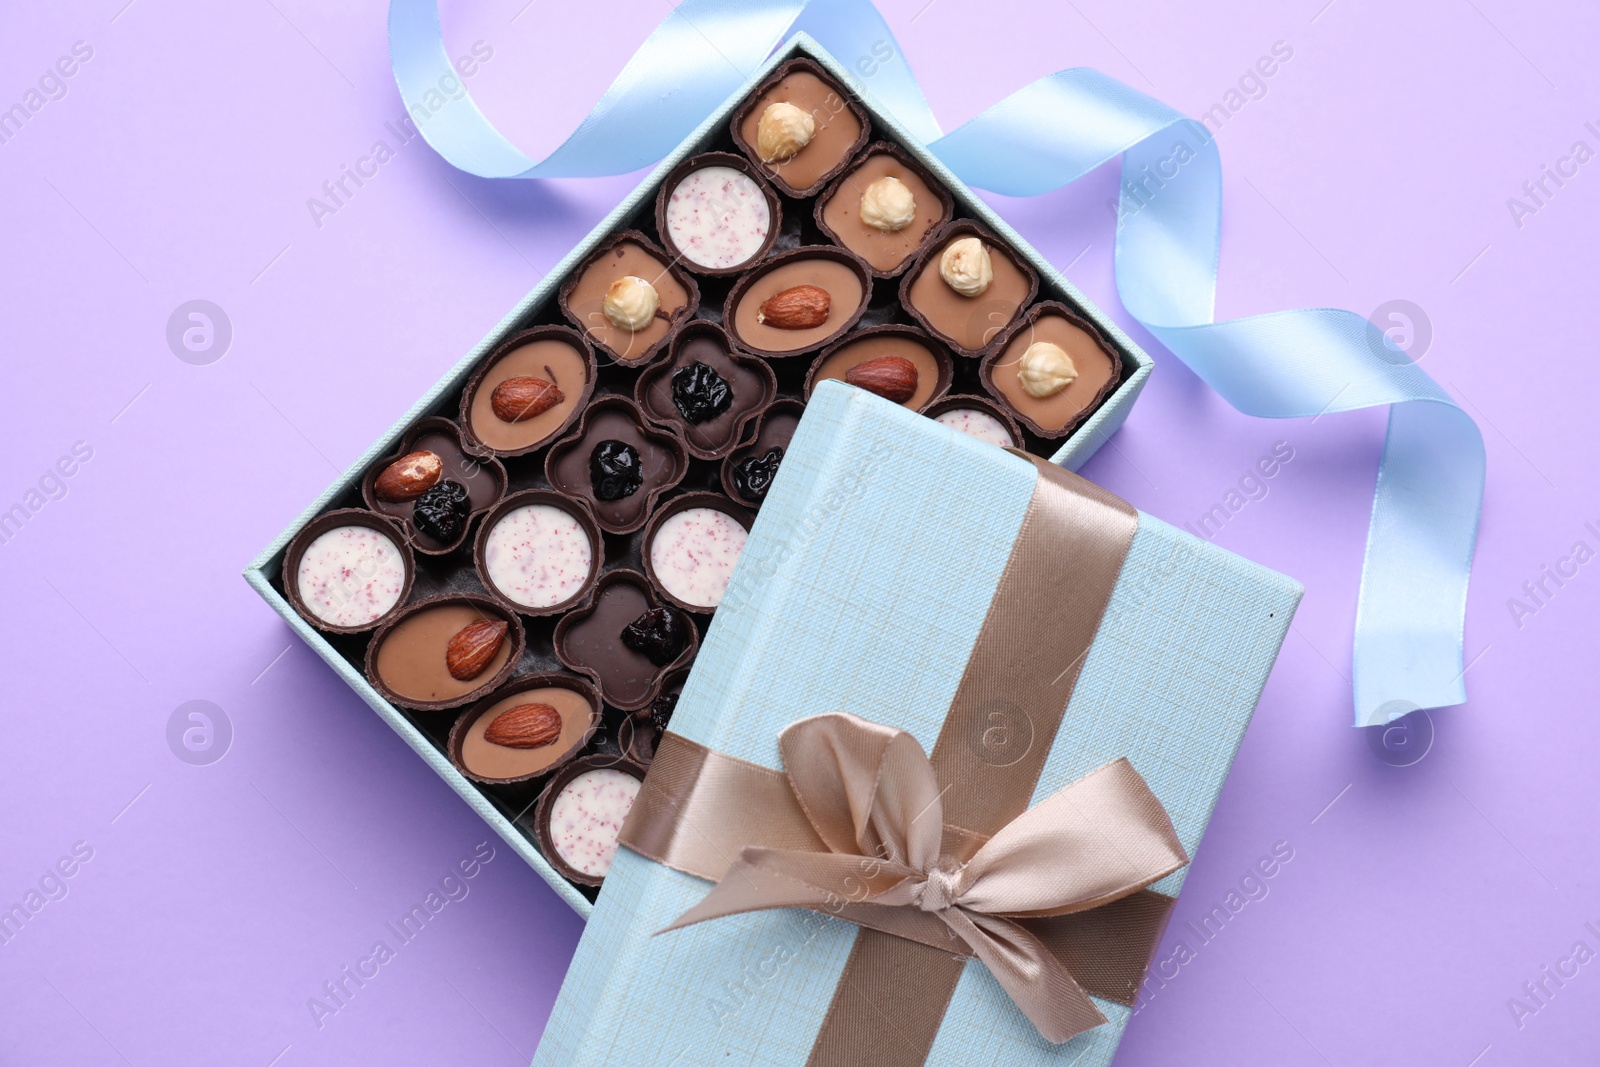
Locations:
(866, 788)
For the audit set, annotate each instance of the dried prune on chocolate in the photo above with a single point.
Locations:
(658, 635)
(661, 710)
(615, 470)
(442, 511)
(753, 477)
(700, 393)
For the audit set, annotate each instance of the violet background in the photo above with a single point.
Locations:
(221, 897)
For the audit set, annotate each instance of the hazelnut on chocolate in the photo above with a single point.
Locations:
(783, 130)
(965, 267)
(630, 303)
(1045, 370)
(888, 205)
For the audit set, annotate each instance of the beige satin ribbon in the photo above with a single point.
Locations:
(940, 858)
(870, 795)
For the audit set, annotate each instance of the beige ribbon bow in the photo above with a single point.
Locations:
(872, 796)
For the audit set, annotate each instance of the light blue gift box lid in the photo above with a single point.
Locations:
(861, 589)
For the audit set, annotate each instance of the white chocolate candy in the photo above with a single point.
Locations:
(974, 423)
(887, 205)
(693, 554)
(965, 266)
(783, 130)
(630, 303)
(718, 218)
(350, 576)
(538, 556)
(586, 818)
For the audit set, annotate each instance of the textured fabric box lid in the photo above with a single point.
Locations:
(862, 589)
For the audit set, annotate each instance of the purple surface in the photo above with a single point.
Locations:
(1375, 165)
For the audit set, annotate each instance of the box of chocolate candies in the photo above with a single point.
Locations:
(519, 575)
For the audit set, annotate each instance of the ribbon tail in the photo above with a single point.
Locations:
(762, 879)
(699, 54)
(1039, 986)
(1291, 364)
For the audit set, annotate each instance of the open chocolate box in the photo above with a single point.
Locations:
(518, 575)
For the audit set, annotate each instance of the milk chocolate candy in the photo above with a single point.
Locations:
(839, 127)
(769, 309)
(628, 254)
(408, 659)
(968, 324)
(1097, 367)
(842, 215)
(575, 703)
(557, 355)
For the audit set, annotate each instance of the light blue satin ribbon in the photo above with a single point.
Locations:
(1287, 364)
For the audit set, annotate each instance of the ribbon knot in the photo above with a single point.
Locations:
(939, 891)
(873, 799)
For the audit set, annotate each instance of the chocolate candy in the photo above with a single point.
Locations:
(1095, 369)
(930, 364)
(967, 323)
(576, 707)
(555, 354)
(395, 485)
(773, 432)
(800, 155)
(662, 462)
(590, 640)
(409, 659)
(851, 211)
(784, 284)
(709, 430)
(629, 254)
(716, 214)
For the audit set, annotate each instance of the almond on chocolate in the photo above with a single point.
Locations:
(798, 308)
(525, 726)
(408, 477)
(891, 377)
(473, 647)
(519, 399)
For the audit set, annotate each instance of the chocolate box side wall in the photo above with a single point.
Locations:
(1076, 450)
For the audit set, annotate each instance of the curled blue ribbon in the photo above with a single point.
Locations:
(1287, 364)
